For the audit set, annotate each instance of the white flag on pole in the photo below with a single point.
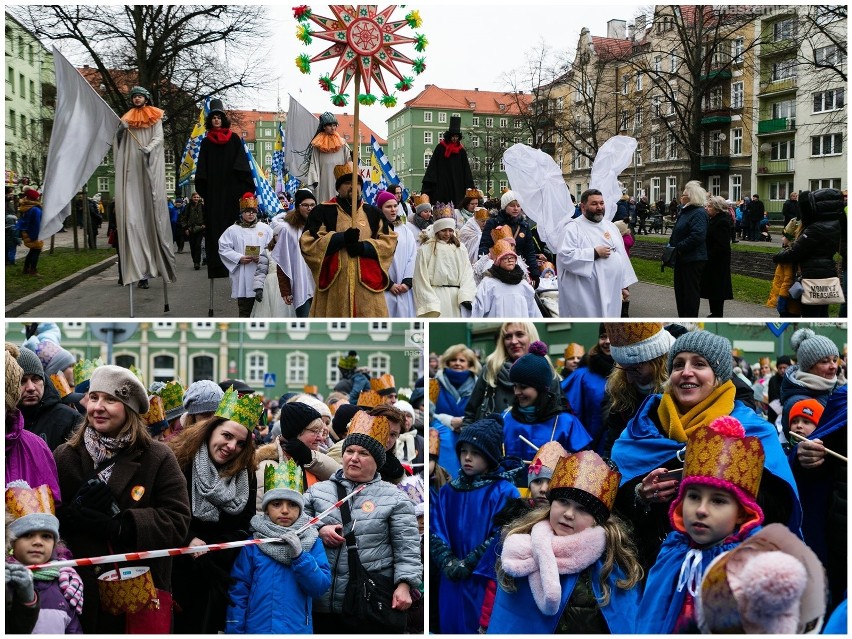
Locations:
(301, 128)
(83, 129)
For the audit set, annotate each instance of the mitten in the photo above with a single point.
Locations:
(21, 579)
(258, 294)
(351, 236)
(96, 495)
(298, 451)
(456, 570)
(291, 539)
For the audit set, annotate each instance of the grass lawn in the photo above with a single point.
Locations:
(52, 268)
(772, 249)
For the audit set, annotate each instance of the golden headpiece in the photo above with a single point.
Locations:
(60, 384)
(588, 480)
(22, 500)
(503, 232)
(545, 460)
(434, 441)
(370, 399)
(245, 410)
(343, 169)
(311, 389)
(473, 193)
(434, 390)
(383, 385)
(501, 248)
(423, 198)
(286, 474)
(248, 202)
(574, 350)
(481, 213)
(84, 368)
(442, 210)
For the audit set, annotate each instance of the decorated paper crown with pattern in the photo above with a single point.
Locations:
(172, 395)
(423, 198)
(442, 210)
(22, 500)
(481, 213)
(501, 248)
(138, 374)
(343, 169)
(434, 441)
(156, 411)
(503, 232)
(586, 471)
(434, 390)
(473, 193)
(84, 368)
(412, 486)
(574, 350)
(370, 399)
(285, 474)
(61, 384)
(545, 460)
(383, 383)
(627, 333)
(248, 202)
(348, 361)
(376, 427)
(245, 410)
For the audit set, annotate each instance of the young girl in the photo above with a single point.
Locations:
(504, 290)
(715, 510)
(443, 278)
(295, 283)
(398, 296)
(569, 567)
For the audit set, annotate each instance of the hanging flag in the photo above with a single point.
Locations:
(278, 154)
(301, 128)
(267, 201)
(292, 185)
(383, 170)
(193, 145)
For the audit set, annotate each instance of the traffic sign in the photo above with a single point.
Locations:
(269, 380)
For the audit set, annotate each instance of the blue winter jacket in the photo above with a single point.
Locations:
(586, 394)
(689, 235)
(793, 390)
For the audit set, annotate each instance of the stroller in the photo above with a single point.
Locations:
(765, 235)
(657, 223)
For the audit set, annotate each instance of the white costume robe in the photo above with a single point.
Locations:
(500, 300)
(590, 287)
(288, 255)
(470, 234)
(443, 279)
(321, 171)
(232, 246)
(415, 231)
(402, 268)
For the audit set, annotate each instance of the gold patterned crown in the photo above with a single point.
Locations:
(434, 441)
(248, 202)
(501, 247)
(61, 384)
(84, 368)
(574, 350)
(545, 460)
(423, 198)
(156, 411)
(473, 193)
(442, 210)
(765, 361)
(723, 452)
(245, 410)
(627, 333)
(22, 500)
(286, 474)
(480, 213)
(172, 395)
(343, 169)
(503, 232)
(383, 383)
(370, 399)
(587, 472)
(376, 427)
(434, 390)
(138, 374)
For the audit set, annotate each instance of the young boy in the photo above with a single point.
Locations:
(276, 582)
(462, 528)
(714, 511)
(805, 416)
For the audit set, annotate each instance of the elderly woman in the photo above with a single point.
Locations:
(455, 380)
(650, 450)
(124, 491)
(716, 277)
(217, 460)
(380, 520)
(689, 238)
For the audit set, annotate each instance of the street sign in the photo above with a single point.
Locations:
(269, 380)
(777, 328)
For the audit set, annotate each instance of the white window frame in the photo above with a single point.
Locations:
(257, 363)
(671, 188)
(738, 50)
(297, 365)
(474, 121)
(825, 183)
(656, 147)
(427, 138)
(838, 100)
(427, 116)
(715, 182)
(736, 141)
(671, 147)
(735, 190)
(834, 140)
(489, 123)
(442, 117)
(332, 373)
(103, 184)
(427, 157)
(655, 189)
(737, 95)
(504, 123)
(379, 364)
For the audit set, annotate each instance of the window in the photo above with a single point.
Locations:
(427, 138)
(737, 95)
(24, 127)
(332, 373)
(103, 184)
(380, 327)
(164, 368)
(519, 125)
(22, 82)
(10, 79)
(415, 367)
(783, 70)
(504, 122)
(782, 150)
(780, 191)
(442, 117)
(475, 121)
(656, 148)
(671, 144)
(476, 164)
(638, 81)
(637, 117)
(736, 182)
(827, 183)
(625, 83)
(489, 122)
(658, 65)
(715, 99)
(784, 109)
(655, 189)
(503, 184)
(475, 142)
(784, 30)
(529, 141)
(672, 61)
(427, 116)
(297, 369)
(715, 143)
(637, 155)
(831, 100)
(267, 159)
(170, 182)
(671, 188)
(715, 185)
(202, 367)
(672, 103)
(737, 50)
(827, 144)
(823, 56)
(250, 146)
(624, 121)
(427, 157)
(267, 146)
(32, 92)
(125, 361)
(489, 141)
(13, 122)
(655, 105)
(170, 156)
(736, 141)
(379, 364)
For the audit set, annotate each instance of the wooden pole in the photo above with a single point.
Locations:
(355, 174)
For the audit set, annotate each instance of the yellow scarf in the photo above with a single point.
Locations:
(142, 117)
(327, 142)
(678, 426)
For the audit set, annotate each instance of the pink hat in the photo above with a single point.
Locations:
(384, 196)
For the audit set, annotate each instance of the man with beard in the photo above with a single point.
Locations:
(592, 263)
(349, 254)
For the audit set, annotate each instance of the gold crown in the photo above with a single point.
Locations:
(384, 382)
(586, 471)
(434, 441)
(22, 500)
(442, 210)
(245, 410)
(473, 193)
(503, 232)
(548, 456)
(712, 453)
(434, 390)
(248, 201)
(627, 333)
(84, 368)
(481, 213)
(156, 411)
(765, 361)
(501, 247)
(376, 427)
(284, 474)
(423, 198)
(172, 395)
(370, 399)
(311, 389)
(574, 350)
(61, 384)
(343, 169)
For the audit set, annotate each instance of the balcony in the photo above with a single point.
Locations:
(775, 126)
(769, 86)
(715, 162)
(715, 75)
(777, 46)
(765, 166)
(716, 116)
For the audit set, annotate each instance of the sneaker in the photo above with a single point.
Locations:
(142, 284)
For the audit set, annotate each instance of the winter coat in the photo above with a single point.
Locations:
(794, 390)
(386, 533)
(585, 392)
(716, 277)
(689, 235)
(820, 238)
(30, 220)
(447, 178)
(269, 598)
(28, 457)
(56, 615)
(360, 383)
(191, 217)
(157, 516)
(20, 618)
(524, 243)
(51, 420)
(622, 210)
(790, 210)
(486, 399)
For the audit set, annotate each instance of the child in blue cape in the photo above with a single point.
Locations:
(462, 528)
(714, 511)
(569, 567)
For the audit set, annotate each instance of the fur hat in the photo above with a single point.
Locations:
(13, 374)
(202, 396)
(589, 480)
(296, 417)
(714, 348)
(533, 369)
(284, 480)
(507, 198)
(371, 433)
(810, 409)
(637, 342)
(810, 348)
(30, 363)
(121, 384)
(384, 196)
(487, 436)
(544, 462)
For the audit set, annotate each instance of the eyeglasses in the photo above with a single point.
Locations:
(317, 431)
(307, 205)
(627, 369)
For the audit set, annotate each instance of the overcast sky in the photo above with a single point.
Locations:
(473, 45)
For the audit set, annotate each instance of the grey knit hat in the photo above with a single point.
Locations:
(633, 343)
(714, 348)
(202, 396)
(33, 522)
(121, 384)
(372, 445)
(809, 347)
(30, 363)
(283, 493)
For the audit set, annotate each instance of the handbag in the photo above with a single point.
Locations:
(819, 292)
(669, 257)
(154, 619)
(796, 289)
(368, 595)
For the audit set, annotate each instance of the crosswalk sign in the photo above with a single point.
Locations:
(269, 380)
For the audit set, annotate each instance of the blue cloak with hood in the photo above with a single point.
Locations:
(585, 391)
(562, 427)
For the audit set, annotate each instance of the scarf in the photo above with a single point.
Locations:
(282, 553)
(212, 493)
(142, 117)
(451, 148)
(72, 588)
(219, 136)
(815, 382)
(677, 426)
(456, 378)
(42, 574)
(247, 225)
(528, 412)
(542, 557)
(102, 448)
(327, 142)
(419, 222)
(507, 277)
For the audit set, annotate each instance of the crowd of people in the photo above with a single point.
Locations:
(320, 492)
(609, 490)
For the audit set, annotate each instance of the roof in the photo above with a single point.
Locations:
(611, 48)
(246, 122)
(473, 100)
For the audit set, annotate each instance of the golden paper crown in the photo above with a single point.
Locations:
(286, 474)
(765, 361)
(627, 333)
(503, 232)
(248, 201)
(61, 384)
(481, 213)
(574, 350)
(501, 247)
(586, 471)
(384, 382)
(172, 395)
(370, 399)
(22, 500)
(442, 210)
(473, 193)
(423, 198)
(434, 441)
(434, 390)
(343, 169)
(84, 368)
(376, 427)
(505, 189)
(311, 389)
(245, 410)
(156, 411)
(721, 453)
(548, 456)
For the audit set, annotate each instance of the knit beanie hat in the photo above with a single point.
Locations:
(487, 436)
(384, 196)
(34, 522)
(588, 479)
(320, 407)
(30, 363)
(302, 195)
(13, 374)
(533, 369)
(121, 384)
(714, 348)
(296, 417)
(444, 223)
(810, 409)
(406, 408)
(53, 357)
(371, 433)
(342, 416)
(810, 348)
(202, 396)
(783, 359)
(507, 198)
(636, 342)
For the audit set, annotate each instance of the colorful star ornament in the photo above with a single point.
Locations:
(363, 44)
(245, 410)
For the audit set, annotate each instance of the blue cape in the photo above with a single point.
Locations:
(586, 393)
(568, 431)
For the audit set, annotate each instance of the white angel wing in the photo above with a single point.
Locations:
(612, 158)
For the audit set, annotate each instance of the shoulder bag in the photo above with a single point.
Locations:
(669, 257)
(819, 292)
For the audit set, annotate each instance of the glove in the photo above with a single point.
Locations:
(96, 495)
(258, 294)
(456, 570)
(351, 236)
(84, 519)
(21, 579)
(354, 250)
(298, 451)
(291, 539)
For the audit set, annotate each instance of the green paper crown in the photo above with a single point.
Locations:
(286, 474)
(245, 410)
(138, 374)
(84, 368)
(172, 395)
(347, 361)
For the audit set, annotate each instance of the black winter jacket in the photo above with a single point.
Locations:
(814, 249)
(51, 420)
(524, 244)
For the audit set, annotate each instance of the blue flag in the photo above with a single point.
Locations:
(278, 154)
(193, 146)
(383, 171)
(267, 201)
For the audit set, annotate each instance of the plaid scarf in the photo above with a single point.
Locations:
(102, 448)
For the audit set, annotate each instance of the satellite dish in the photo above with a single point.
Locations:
(765, 147)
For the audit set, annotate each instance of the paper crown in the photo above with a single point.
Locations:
(172, 395)
(348, 361)
(84, 368)
(548, 270)
(481, 213)
(248, 202)
(626, 333)
(22, 500)
(586, 471)
(574, 350)
(500, 249)
(473, 193)
(61, 384)
(765, 361)
(245, 410)
(723, 452)
(370, 399)
(434, 390)
(138, 374)
(434, 441)
(383, 383)
(413, 488)
(343, 169)
(156, 412)
(546, 457)
(442, 210)
(503, 232)
(421, 199)
(376, 427)
(310, 389)
(285, 474)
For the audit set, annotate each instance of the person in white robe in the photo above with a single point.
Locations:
(399, 298)
(295, 281)
(504, 292)
(471, 233)
(327, 150)
(421, 220)
(593, 266)
(443, 277)
(240, 249)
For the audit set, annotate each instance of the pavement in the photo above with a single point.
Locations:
(94, 292)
